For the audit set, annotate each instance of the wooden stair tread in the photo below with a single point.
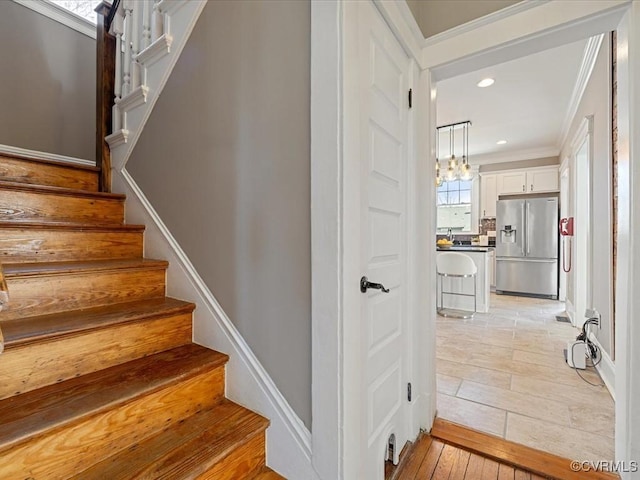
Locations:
(72, 166)
(30, 171)
(44, 242)
(43, 327)
(71, 226)
(267, 474)
(101, 371)
(47, 189)
(25, 416)
(186, 449)
(20, 202)
(535, 461)
(12, 270)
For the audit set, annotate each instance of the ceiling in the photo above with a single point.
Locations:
(527, 105)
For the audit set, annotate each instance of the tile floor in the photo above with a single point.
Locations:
(504, 373)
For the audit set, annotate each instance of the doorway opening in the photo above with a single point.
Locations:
(504, 371)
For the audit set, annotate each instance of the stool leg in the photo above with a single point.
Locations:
(475, 293)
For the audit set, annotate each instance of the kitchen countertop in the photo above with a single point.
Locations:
(465, 248)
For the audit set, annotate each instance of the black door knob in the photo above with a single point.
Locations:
(365, 284)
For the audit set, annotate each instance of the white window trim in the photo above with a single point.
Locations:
(475, 203)
(61, 15)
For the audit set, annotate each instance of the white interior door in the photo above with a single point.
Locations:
(384, 76)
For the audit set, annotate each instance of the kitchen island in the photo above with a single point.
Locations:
(481, 256)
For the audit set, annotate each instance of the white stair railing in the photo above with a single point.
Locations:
(150, 35)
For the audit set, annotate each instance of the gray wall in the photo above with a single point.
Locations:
(225, 161)
(48, 84)
(436, 16)
(535, 162)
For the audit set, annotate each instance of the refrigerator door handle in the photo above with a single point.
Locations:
(527, 233)
(527, 260)
(525, 239)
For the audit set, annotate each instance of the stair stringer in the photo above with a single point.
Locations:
(289, 449)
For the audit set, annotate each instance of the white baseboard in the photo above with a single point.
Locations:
(54, 157)
(606, 368)
(248, 383)
(571, 312)
(422, 419)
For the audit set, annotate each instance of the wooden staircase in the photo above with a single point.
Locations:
(99, 378)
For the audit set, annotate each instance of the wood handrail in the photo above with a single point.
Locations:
(112, 14)
(105, 78)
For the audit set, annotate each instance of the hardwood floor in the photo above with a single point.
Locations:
(455, 452)
(433, 458)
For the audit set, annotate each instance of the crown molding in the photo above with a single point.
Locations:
(514, 156)
(483, 21)
(412, 22)
(60, 15)
(589, 58)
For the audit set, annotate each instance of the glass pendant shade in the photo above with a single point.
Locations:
(465, 171)
(439, 179)
(452, 169)
(456, 170)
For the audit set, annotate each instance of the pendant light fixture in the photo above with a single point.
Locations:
(456, 170)
(465, 170)
(439, 178)
(452, 169)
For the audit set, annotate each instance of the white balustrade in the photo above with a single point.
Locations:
(144, 32)
(117, 29)
(128, 59)
(141, 29)
(147, 11)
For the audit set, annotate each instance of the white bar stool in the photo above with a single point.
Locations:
(456, 265)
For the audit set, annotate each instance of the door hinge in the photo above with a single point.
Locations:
(409, 391)
(410, 97)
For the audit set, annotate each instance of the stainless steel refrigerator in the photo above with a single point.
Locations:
(527, 246)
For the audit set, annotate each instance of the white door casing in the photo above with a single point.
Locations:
(383, 86)
(566, 254)
(582, 160)
(525, 28)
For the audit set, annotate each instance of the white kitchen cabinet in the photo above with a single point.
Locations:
(532, 180)
(488, 195)
(512, 182)
(542, 180)
(528, 181)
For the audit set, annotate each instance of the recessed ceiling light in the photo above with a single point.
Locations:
(487, 82)
(501, 142)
